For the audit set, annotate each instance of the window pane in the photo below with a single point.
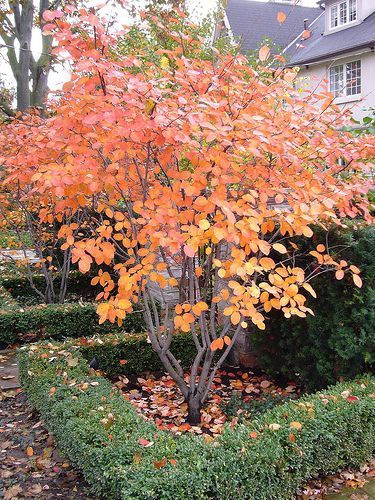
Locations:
(336, 80)
(343, 13)
(353, 78)
(352, 10)
(334, 17)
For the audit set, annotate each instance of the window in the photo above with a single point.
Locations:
(353, 78)
(343, 12)
(352, 10)
(345, 79)
(334, 16)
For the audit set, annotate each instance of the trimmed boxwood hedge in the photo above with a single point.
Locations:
(99, 430)
(109, 349)
(58, 321)
(18, 284)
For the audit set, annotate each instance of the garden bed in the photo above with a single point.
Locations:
(124, 456)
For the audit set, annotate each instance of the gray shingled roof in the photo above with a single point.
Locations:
(319, 47)
(253, 21)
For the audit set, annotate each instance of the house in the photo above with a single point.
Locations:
(339, 52)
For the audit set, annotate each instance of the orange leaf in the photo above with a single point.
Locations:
(264, 53)
(339, 274)
(253, 435)
(123, 361)
(189, 251)
(227, 340)
(354, 269)
(306, 34)
(29, 451)
(281, 17)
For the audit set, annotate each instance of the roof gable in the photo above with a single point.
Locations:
(320, 46)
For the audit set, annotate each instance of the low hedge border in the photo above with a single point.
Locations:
(134, 349)
(18, 284)
(268, 459)
(58, 321)
(7, 302)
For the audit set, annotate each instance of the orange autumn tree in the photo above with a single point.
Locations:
(195, 176)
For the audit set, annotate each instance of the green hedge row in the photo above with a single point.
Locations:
(59, 321)
(18, 285)
(339, 341)
(109, 349)
(7, 302)
(100, 432)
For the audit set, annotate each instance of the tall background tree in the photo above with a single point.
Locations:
(20, 21)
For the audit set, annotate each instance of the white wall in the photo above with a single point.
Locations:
(317, 75)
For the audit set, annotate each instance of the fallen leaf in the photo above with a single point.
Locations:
(158, 464)
(145, 443)
(296, 425)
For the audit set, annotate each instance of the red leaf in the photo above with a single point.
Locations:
(145, 443)
(158, 464)
(352, 399)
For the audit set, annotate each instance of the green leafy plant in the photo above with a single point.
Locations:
(339, 341)
(58, 321)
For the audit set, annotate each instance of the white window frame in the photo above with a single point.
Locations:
(341, 16)
(343, 95)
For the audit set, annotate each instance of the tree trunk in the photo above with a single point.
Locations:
(41, 67)
(194, 410)
(24, 23)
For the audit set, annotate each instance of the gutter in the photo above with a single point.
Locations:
(332, 55)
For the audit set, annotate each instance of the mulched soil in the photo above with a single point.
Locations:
(157, 397)
(30, 465)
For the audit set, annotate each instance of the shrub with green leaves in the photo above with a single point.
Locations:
(131, 353)
(59, 321)
(125, 457)
(18, 285)
(339, 341)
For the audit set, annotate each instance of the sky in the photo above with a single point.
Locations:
(60, 75)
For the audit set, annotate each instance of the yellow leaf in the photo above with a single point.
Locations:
(357, 280)
(279, 248)
(296, 425)
(204, 224)
(150, 106)
(164, 62)
(310, 289)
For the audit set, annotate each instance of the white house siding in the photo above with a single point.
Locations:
(317, 74)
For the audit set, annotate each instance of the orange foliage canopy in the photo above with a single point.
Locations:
(208, 167)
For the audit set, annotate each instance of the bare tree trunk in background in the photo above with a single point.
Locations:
(31, 74)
